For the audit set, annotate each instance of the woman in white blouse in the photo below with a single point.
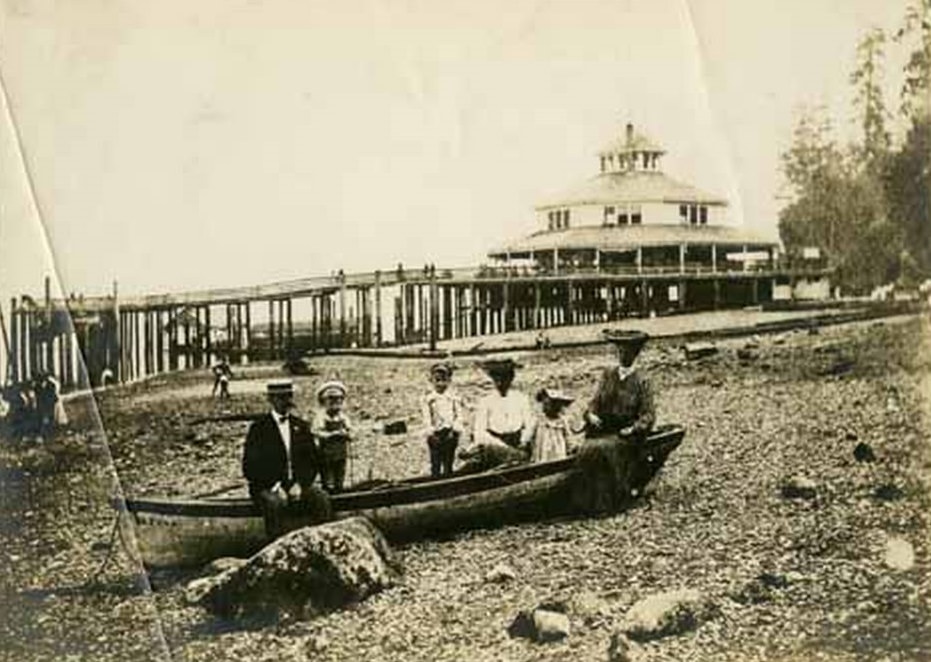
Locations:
(503, 426)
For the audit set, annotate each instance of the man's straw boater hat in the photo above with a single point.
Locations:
(280, 387)
(500, 366)
(634, 340)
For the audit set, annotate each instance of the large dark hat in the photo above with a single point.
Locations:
(441, 368)
(500, 366)
(634, 340)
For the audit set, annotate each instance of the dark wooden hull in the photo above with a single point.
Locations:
(191, 532)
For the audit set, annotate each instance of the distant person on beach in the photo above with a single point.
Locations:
(46, 404)
(543, 341)
(551, 436)
(280, 460)
(443, 419)
(503, 423)
(222, 374)
(333, 431)
(620, 413)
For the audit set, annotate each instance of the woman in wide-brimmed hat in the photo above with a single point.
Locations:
(620, 414)
(623, 403)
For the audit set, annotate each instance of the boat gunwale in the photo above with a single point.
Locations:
(416, 490)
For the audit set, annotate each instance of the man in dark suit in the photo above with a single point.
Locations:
(281, 461)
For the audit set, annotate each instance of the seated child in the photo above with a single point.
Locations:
(551, 437)
(333, 433)
(443, 419)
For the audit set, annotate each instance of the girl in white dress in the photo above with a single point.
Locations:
(551, 438)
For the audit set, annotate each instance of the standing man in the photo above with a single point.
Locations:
(281, 461)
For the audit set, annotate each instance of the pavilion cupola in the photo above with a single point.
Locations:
(631, 152)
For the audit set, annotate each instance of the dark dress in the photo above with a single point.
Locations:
(606, 458)
(621, 403)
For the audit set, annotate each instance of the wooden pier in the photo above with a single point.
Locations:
(90, 341)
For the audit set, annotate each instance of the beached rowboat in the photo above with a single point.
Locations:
(172, 532)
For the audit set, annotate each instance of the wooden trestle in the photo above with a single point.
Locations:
(87, 341)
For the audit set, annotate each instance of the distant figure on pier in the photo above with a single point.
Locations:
(620, 413)
(280, 461)
(503, 423)
(222, 374)
(543, 341)
(443, 416)
(333, 433)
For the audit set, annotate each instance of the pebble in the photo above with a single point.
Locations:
(899, 554)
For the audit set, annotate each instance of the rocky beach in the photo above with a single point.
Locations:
(795, 514)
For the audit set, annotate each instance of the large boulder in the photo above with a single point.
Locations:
(309, 571)
(666, 614)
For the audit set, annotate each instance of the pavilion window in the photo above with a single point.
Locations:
(636, 216)
(565, 218)
(609, 215)
(684, 213)
(552, 221)
(622, 217)
(646, 161)
(703, 215)
(693, 214)
(602, 164)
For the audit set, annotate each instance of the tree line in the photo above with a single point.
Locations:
(865, 204)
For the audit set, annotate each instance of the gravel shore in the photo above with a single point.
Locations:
(759, 413)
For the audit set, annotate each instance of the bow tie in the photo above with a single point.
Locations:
(283, 419)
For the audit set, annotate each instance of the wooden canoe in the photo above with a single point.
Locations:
(172, 532)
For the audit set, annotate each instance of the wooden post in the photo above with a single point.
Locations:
(446, 331)
(505, 307)
(434, 308)
(378, 329)
(342, 309)
(49, 345)
(271, 329)
(146, 331)
(137, 343)
(14, 368)
(714, 258)
(644, 298)
(207, 340)
(537, 301)
(290, 346)
(682, 293)
(717, 293)
(247, 348)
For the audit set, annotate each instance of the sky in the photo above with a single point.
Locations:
(174, 145)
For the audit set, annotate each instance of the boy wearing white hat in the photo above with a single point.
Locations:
(333, 433)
